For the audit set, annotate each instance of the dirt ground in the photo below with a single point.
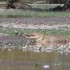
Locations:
(36, 22)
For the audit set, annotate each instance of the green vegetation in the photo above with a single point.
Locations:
(22, 13)
(12, 31)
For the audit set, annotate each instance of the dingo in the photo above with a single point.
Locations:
(48, 40)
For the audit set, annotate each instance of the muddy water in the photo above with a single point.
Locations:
(15, 55)
(19, 60)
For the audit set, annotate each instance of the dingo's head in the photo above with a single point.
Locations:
(36, 36)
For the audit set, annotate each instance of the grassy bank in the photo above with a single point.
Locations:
(21, 13)
(13, 31)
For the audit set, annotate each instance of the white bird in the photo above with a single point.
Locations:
(46, 66)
